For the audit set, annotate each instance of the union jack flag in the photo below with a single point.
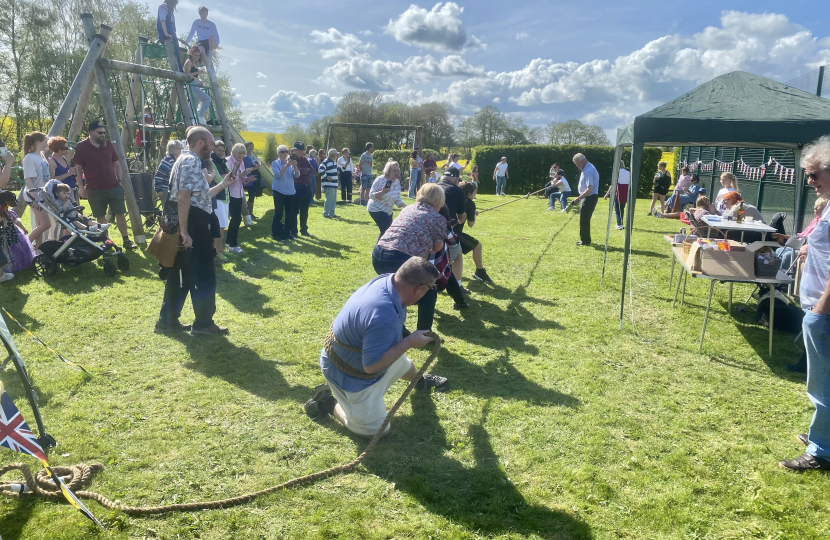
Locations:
(14, 431)
(16, 435)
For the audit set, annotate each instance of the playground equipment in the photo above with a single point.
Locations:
(166, 91)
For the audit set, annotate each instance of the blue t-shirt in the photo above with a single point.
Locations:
(371, 320)
(283, 183)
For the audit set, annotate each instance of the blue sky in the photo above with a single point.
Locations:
(602, 62)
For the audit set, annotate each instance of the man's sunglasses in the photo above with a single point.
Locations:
(813, 176)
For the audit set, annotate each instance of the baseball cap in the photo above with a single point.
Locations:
(95, 124)
(452, 171)
(299, 145)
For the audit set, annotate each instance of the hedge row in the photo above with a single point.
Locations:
(530, 166)
(401, 156)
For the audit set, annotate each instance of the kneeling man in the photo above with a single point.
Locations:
(365, 352)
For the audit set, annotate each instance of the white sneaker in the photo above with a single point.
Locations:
(619, 227)
(236, 249)
(103, 226)
(550, 208)
(6, 276)
(562, 211)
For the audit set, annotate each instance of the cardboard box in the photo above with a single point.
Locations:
(739, 262)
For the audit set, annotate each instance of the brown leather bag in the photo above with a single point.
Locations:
(165, 247)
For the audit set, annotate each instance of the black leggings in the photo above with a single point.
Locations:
(383, 221)
(346, 186)
(235, 208)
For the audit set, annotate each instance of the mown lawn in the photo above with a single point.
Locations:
(558, 425)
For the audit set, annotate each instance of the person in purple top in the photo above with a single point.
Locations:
(302, 197)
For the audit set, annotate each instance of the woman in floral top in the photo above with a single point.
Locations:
(384, 195)
(418, 231)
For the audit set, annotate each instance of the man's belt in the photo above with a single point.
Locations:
(338, 362)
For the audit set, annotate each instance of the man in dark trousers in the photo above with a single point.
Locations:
(189, 211)
(588, 195)
(455, 210)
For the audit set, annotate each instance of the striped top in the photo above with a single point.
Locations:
(328, 169)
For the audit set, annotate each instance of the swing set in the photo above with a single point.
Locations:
(168, 94)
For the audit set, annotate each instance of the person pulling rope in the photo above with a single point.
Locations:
(79, 476)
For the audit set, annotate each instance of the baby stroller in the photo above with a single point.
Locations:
(79, 246)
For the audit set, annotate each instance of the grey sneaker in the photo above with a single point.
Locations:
(427, 382)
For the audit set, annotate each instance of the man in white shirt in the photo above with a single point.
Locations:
(206, 33)
(500, 175)
(588, 196)
(815, 300)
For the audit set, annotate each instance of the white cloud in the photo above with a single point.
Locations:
(366, 33)
(611, 92)
(287, 107)
(261, 75)
(521, 35)
(262, 86)
(335, 37)
(362, 71)
(234, 61)
(608, 91)
(439, 29)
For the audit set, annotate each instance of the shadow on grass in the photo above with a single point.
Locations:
(481, 498)
(640, 252)
(12, 523)
(215, 356)
(489, 325)
(784, 349)
(497, 378)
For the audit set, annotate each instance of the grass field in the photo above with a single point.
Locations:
(558, 426)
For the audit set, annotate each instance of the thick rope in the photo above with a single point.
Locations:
(79, 475)
(339, 363)
(510, 202)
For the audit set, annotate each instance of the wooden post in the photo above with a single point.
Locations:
(219, 105)
(181, 92)
(135, 88)
(84, 73)
(147, 71)
(169, 115)
(328, 137)
(111, 119)
(79, 118)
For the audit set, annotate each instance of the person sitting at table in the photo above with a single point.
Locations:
(732, 201)
(685, 193)
(702, 208)
(785, 253)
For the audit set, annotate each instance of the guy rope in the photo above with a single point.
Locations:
(79, 476)
(509, 202)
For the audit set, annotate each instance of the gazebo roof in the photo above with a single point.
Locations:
(735, 109)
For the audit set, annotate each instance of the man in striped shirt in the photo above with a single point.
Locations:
(328, 181)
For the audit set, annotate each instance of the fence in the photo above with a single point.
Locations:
(765, 177)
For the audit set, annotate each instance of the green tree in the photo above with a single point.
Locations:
(576, 132)
(270, 153)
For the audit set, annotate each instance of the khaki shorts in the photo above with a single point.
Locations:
(365, 410)
(100, 200)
